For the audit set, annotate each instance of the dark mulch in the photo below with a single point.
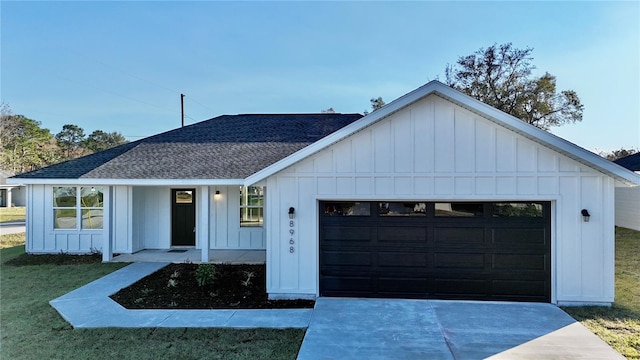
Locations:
(175, 287)
(54, 259)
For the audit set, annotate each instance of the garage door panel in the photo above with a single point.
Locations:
(459, 261)
(394, 286)
(402, 259)
(520, 262)
(404, 234)
(518, 288)
(347, 258)
(519, 236)
(465, 288)
(459, 236)
(346, 233)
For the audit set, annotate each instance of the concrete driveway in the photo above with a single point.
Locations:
(343, 328)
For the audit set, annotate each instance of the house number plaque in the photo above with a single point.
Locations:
(291, 241)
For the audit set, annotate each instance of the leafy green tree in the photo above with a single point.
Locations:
(24, 144)
(501, 76)
(376, 103)
(617, 154)
(70, 141)
(100, 140)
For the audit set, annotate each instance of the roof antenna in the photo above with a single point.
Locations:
(182, 107)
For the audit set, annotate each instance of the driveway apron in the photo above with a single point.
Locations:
(345, 328)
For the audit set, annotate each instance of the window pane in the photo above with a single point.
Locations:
(459, 209)
(347, 209)
(64, 219)
(184, 197)
(92, 218)
(517, 210)
(91, 196)
(251, 196)
(64, 196)
(402, 209)
(251, 216)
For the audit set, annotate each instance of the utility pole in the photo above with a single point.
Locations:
(182, 107)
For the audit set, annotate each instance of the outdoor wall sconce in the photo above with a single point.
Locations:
(291, 212)
(585, 215)
(217, 194)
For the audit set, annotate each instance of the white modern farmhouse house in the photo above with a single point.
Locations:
(436, 195)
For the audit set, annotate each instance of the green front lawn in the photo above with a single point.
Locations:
(31, 329)
(619, 325)
(12, 214)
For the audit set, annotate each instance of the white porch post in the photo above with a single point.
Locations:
(107, 212)
(9, 197)
(203, 223)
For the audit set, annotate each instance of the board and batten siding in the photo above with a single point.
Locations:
(152, 219)
(43, 238)
(628, 207)
(141, 219)
(436, 150)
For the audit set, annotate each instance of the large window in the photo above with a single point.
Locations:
(251, 206)
(78, 207)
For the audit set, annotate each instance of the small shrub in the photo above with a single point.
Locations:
(247, 281)
(175, 275)
(205, 274)
(172, 283)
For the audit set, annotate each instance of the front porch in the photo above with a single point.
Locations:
(193, 255)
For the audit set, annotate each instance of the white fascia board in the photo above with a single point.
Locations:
(130, 182)
(510, 122)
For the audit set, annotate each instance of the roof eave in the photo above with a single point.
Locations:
(129, 182)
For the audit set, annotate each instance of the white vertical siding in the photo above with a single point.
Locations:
(628, 207)
(151, 216)
(436, 150)
(121, 224)
(225, 220)
(43, 238)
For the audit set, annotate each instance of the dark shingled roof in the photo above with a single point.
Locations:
(631, 162)
(225, 147)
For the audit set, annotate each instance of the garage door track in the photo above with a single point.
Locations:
(345, 328)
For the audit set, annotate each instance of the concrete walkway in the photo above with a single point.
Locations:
(423, 329)
(12, 227)
(342, 328)
(91, 307)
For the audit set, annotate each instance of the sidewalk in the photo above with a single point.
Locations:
(91, 307)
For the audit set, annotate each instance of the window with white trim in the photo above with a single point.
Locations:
(251, 206)
(78, 207)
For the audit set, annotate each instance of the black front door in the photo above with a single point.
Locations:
(183, 217)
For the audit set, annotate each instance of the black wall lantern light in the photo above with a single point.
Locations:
(585, 215)
(291, 212)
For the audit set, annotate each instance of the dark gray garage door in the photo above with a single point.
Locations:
(480, 251)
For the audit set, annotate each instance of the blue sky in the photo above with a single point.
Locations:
(120, 66)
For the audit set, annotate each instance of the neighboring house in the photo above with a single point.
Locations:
(11, 195)
(435, 195)
(628, 199)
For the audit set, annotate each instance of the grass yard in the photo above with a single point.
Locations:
(11, 240)
(31, 329)
(12, 214)
(619, 325)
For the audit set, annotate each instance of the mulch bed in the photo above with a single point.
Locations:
(175, 287)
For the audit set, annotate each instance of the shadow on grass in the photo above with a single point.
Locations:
(613, 313)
